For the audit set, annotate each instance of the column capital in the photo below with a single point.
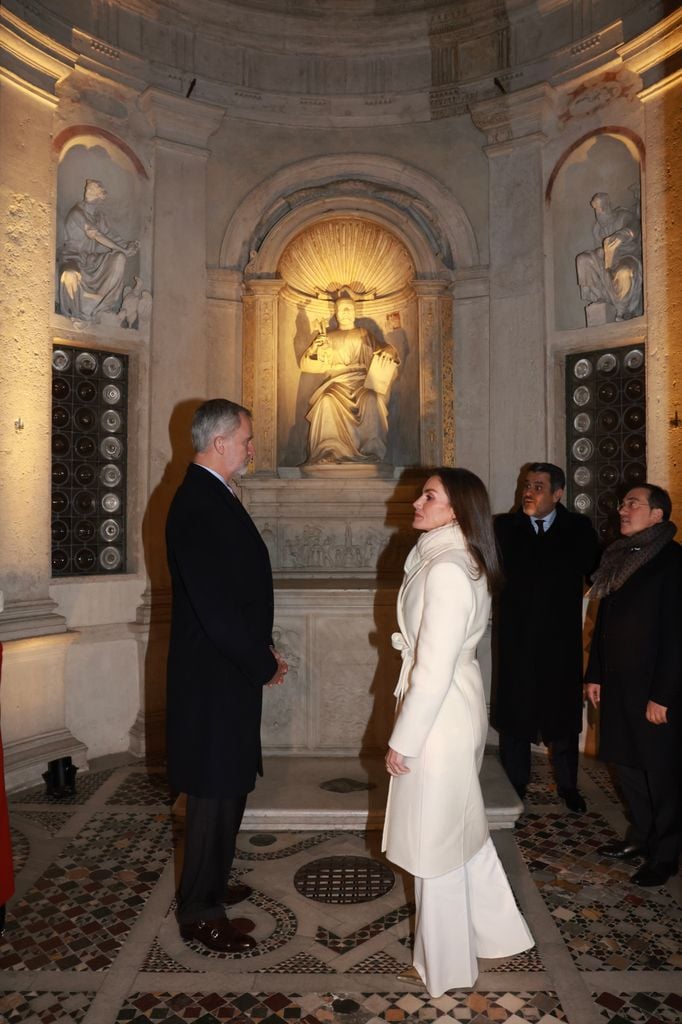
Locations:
(178, 120)
(516, 118)
(430, 288)
(653, 53)
(224, 284)
(263, 287)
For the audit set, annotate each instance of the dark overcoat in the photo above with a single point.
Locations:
(538, 625)
(636, 656)
(221, 626)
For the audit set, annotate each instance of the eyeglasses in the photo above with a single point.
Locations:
(631, 503)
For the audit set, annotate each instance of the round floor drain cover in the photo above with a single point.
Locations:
(344, 880)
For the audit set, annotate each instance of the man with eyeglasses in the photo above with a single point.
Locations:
(547, 552)
(634, 677)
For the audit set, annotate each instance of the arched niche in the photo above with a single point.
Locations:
(415, 315)
(87, 152)
(332, 252)
(606, 161)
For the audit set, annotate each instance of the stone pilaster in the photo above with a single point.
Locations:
(436, 383)
(179, 370)
(260, 368)
(30, 68)
(517, 127)
(655, 56)
(224, 332)
(472, 370)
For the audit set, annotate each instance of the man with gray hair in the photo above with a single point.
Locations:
(220, 657)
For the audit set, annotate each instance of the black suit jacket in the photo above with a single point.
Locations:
(221, 627)
(538, 624)
(636, 656)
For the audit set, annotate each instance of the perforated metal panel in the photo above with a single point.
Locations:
(344, 880)
(89, 447)
(605, 431)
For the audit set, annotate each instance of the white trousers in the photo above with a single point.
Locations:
(467, 913)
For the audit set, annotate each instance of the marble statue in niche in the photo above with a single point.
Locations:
(92, 259)
(348, 412)
(610, 276)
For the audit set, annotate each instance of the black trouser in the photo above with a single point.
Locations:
(654, 802)
(563, 754)
(211, 828)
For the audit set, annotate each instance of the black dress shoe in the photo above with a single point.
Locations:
(621, 850)
(574, 800)
(237, 893)
(654, 874)
(217, 935)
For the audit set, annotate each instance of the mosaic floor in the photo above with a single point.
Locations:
(91, 937)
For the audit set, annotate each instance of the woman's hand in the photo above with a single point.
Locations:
(395, 763)
(592, 693)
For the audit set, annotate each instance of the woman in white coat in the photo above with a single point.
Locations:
(436, 826)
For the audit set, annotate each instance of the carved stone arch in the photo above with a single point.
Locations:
(425, 198)
(420, 246)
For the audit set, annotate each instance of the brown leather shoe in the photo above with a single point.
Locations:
(217, 935)
(237, 893)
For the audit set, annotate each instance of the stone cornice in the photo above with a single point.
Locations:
(178, 120)
(30, 59)
(656, 56)
(655, 45)
(519, 116)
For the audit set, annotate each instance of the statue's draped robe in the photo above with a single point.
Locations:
(91, 276)
(348, 421)
(613, 272)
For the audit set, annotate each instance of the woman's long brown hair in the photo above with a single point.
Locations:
(471, 505)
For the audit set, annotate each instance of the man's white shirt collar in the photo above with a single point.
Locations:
(547, 520)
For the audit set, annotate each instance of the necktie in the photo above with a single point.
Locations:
(540, 523)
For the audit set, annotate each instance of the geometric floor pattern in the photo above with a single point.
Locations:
(91, 937)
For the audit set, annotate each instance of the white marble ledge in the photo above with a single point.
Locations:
(289, 795)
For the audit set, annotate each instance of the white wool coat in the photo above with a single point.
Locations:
(435, 816)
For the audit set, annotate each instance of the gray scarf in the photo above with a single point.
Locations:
(628, 554)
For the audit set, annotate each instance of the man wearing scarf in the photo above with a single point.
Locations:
(635, 677)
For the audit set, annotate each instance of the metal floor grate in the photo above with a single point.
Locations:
(344, 880)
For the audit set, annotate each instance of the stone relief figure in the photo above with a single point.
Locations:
(136, 305)
(92, 259)
(612, 273)
(348, 413)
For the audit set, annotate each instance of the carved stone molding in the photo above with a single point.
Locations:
(30, 619)
(421, 211)
(516, 118)
(653, 52)
(31, 60)
(175, 119)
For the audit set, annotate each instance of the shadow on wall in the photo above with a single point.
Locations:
(389, 578)
(154, 547)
